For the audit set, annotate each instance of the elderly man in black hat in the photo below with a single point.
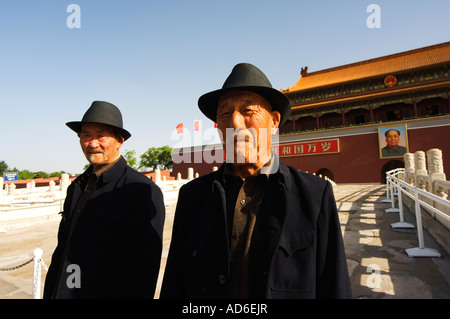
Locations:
(255, 228)
(110, 235)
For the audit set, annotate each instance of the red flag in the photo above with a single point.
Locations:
(180, 128)
(215, 125)
(197, 126)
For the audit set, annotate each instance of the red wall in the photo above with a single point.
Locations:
(357, 153)
(359, 159)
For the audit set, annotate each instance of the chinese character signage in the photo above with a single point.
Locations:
(310, 148)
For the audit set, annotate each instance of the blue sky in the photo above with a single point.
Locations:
(154, 59)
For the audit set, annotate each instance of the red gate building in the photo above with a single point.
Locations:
(341, 117)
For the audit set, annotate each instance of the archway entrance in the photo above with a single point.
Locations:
(390, 166)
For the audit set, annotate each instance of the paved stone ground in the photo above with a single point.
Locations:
(378, 265)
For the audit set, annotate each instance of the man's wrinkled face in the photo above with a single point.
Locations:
(392, 138)
(100, 143)
(246, 122)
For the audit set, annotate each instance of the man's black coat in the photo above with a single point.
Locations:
(117, 241)
(304, 252)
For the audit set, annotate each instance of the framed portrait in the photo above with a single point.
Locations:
(393, 141)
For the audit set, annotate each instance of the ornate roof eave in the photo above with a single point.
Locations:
(359, 80)
(385, 92)
(403, 62)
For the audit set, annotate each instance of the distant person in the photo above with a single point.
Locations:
(392, 148)
(110, 235)
(255, 228)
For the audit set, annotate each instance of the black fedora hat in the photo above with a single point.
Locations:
(246, 77)
(102, 112)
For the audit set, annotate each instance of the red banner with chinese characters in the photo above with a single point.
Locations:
(309, 148)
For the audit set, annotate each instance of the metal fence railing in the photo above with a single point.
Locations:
(397, 187)
(38, 263)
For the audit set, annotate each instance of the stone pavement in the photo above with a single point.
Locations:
(378, 265)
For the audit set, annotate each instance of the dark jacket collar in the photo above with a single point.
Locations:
(114, 171)
(108, 175)
(282, 173)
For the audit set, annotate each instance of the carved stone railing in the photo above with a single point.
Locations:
(426, 172)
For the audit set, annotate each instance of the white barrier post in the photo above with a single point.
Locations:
(402, 223)
(388, 186)
(37, 253)
(420, 251)
(392, 209)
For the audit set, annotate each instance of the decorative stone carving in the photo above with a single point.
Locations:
(409, 168)
(435, 167)
(420, 167)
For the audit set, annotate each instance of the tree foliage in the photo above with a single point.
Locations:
(130, 157)
(26, 174)
(154, 158)
(3, 168)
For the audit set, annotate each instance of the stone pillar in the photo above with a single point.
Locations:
(157, 175)
(51, 186)
(64, 183)
(435, 166)
(12, 189)
(179, 176)
(408, 158)
(196, 175)
(434, 160)
(190, 173)
(420, 166)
